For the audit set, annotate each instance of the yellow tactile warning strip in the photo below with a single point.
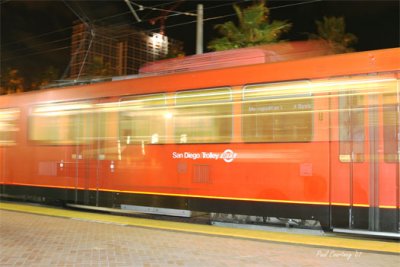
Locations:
(321, 241)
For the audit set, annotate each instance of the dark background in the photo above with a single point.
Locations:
(36, 34)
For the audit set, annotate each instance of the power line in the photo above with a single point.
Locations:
(68, 27)
(233, 14)
(128, 12)
(141, 7)
(111, 17)
(51, 32)
(94, 21)
(84, 19)
(296, 4)
(4, 1)
(177, 13)
(36, 53)
(123, 24)
(37, 36)
(42, 44)
(189, 13)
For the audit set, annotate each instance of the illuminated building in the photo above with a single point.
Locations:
(114, 50)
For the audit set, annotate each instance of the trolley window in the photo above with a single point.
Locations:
(203, 116)
(143, 119)
(62, 123)
(351, 126)
(8, 126)
(279, 112)
(391, 131)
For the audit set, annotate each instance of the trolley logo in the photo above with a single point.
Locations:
(228, 155)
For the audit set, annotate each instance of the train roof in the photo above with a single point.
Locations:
(239, 57)
(376, 61)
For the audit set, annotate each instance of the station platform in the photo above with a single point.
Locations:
(32, 235)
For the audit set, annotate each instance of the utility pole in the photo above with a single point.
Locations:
(199, 32)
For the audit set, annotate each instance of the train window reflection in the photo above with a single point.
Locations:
(62, 123)
(277, 112)
(351, 126)
(203, 116)
(143, 119)
(391, 134)
(8, 126)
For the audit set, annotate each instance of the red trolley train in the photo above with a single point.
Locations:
(315, 138)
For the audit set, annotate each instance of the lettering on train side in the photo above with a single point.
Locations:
(228, 155)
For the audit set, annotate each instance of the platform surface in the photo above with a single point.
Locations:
(43, 236)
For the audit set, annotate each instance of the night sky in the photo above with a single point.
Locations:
(35, 34)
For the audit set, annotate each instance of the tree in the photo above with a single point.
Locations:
(12, 82)
(98, 67)
(48, 76)
(333, 31)
(176, 50)
(253, 29)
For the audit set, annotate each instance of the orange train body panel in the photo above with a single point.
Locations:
(344, 157)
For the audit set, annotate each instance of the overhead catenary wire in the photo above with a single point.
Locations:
(37, 36)
(83, 20)
(36, 53)
(4, 1)
(41, 45)
(68, 28)
(128, 12)
(107, 18)
(153, 30)
(141, 7)
(154, 8)
(86, 21)
(129, 4)
(178, 24)
(234, 14)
